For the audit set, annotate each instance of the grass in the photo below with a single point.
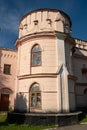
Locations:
(4, 125)
(84, 119)
(22, 127)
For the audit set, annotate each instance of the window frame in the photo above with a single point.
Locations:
(36, 98)
(7, 69)
(37, 54)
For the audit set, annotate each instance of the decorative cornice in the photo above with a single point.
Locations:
(72, 77)
(61, 35)
(48, 10)
(41, 75)
(48, 34)
(81, 84)
(49, 91)
(81, 44)
(50, 75)
(8, 49)
(80, 56)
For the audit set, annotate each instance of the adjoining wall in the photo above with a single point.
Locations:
(80, 71)
(72, 96)
(7, 81)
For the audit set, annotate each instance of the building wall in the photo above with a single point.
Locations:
(48, 54)
(80, 63)
(45, 74)
(8, 56)
(46, 28)
(72, 96)
(71, 77)
(61, 76)
(48, 87)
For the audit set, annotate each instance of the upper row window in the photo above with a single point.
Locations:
(7, 69)
(36, 55)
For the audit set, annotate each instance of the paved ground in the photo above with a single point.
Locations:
(73, 127)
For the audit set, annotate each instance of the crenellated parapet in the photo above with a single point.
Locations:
(8, 53)
(81, 44)
(44, 20)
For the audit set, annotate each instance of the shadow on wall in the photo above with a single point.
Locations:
(20, 103)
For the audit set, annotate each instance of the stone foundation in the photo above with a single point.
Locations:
(44, 119)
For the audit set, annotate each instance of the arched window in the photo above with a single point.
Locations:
(36, 56)
(35, 96)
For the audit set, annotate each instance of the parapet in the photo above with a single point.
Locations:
(43, 20)
(81, 44)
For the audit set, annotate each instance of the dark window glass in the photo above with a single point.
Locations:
(35, 96)
(7, 69)
(84, 74)
(36, 55)
(85, 91)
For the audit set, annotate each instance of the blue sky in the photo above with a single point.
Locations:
(11, 11)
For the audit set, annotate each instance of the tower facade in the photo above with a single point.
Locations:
(43, 78)
(48, 71)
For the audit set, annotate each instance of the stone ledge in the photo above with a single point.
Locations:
(44, 119)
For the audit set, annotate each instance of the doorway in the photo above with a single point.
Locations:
(4, 102)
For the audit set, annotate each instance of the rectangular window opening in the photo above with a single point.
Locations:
(7, 69)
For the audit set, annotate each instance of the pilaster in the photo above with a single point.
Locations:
(63, 93)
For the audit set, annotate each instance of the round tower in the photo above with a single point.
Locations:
(44, 20)
(39, 61)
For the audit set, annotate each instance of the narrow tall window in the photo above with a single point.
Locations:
(7, 69)
(36, 56)
(85, 91)
(35, 96)
(84, 72)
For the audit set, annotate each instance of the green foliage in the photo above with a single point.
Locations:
(23, 127)
(84, 119)
(3, 117)
(5, 126)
